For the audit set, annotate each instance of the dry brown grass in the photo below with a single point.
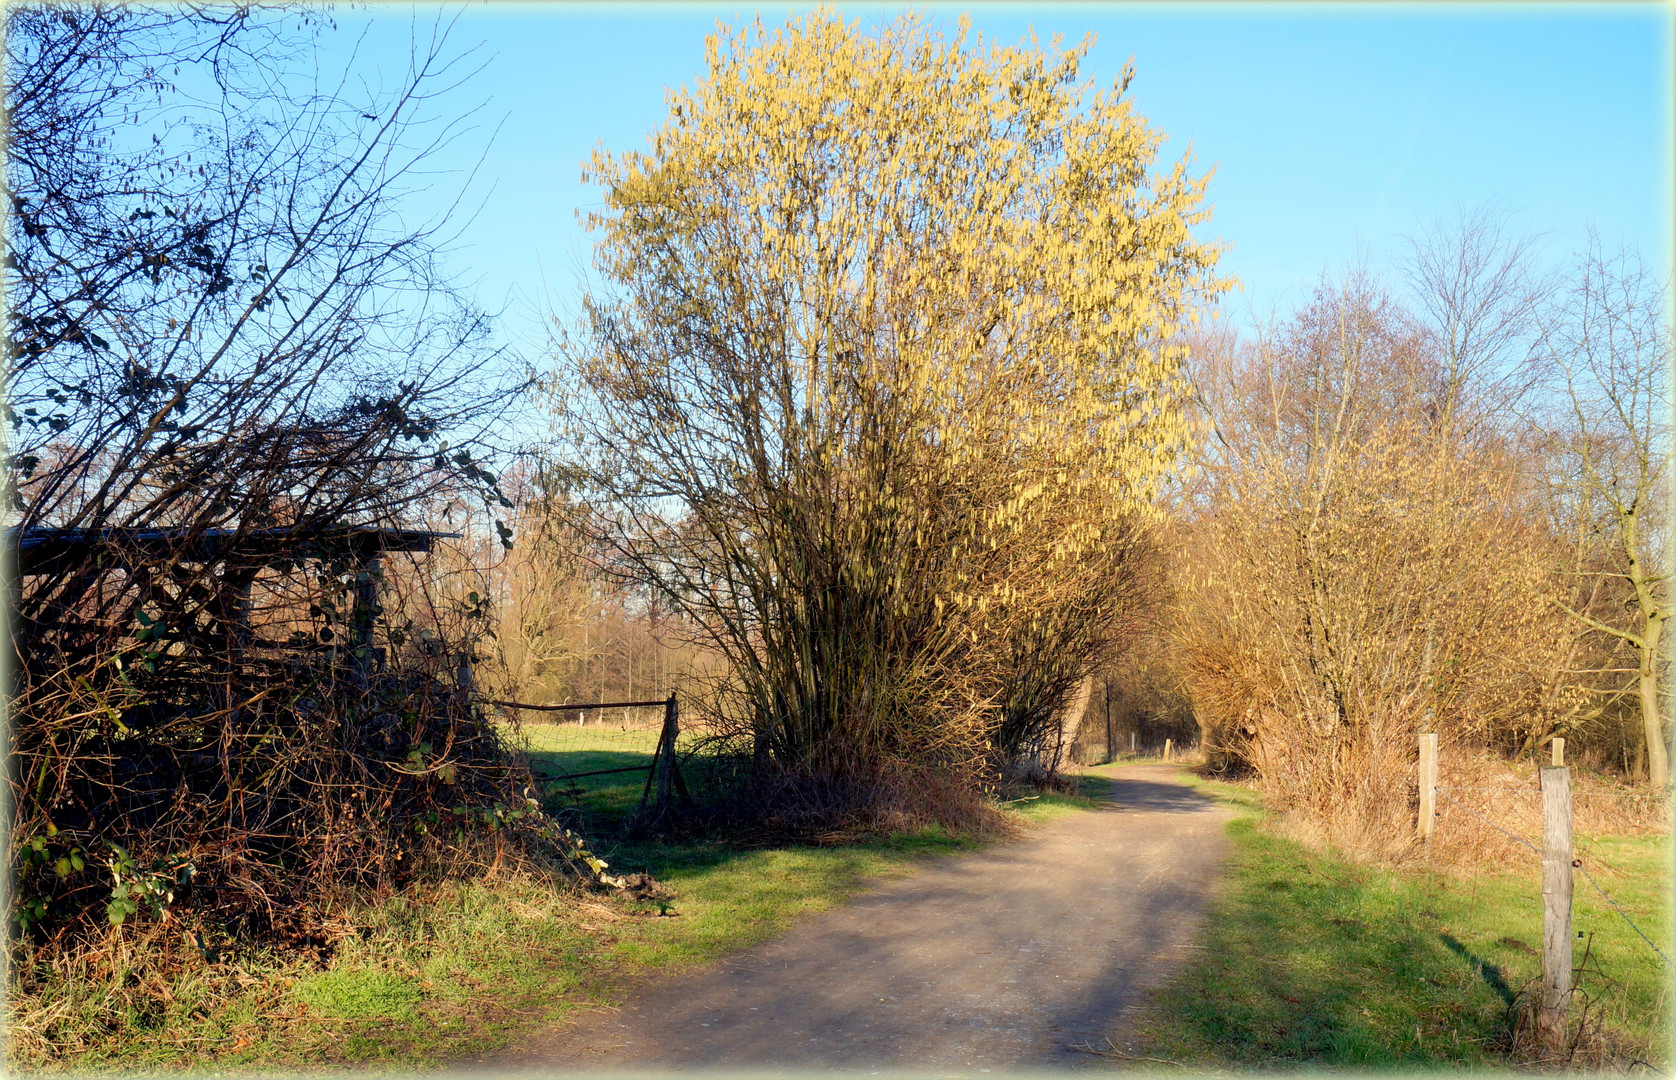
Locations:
(1485, 802)
(1482, 795)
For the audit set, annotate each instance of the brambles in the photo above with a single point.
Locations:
(235, 381)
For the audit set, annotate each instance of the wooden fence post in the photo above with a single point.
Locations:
(1559, 752)
(1131, 742)
(1167, 745)
(1428, 787)
(665, 762)
(1556, 907)
(363, 619)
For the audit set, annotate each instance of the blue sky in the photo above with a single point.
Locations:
(1334, 129)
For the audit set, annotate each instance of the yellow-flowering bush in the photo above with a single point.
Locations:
(883, 373)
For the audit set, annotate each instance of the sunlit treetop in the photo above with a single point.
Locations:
(960, 228)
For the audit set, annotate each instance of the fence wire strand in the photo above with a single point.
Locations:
(1620, 911)
(1493, 825)
(1576, 861)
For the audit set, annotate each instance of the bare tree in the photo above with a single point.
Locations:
(207, 280)
(227, 352)
(1606, 347)
(1355, 571)
(1477, 294)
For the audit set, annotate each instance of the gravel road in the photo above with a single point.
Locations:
(1001, 960)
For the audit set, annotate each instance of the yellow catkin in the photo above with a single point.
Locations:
(937, 279)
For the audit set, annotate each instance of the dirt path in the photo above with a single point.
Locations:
(1004, 959)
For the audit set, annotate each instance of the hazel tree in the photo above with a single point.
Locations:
(887, 349)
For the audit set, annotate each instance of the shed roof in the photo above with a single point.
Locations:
(42, 550)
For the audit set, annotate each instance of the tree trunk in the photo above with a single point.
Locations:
(1071, 720)
(1111, 725)
(1652, 724)
(1204, 729)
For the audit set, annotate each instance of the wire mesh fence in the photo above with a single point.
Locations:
(598, 764)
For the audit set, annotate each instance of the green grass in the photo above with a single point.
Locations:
(601, 804)
(350, 993)
(1094, 790)
(426, 979)
(1313, 960)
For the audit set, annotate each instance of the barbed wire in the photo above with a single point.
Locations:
(1624, 794)
(1576, 862)
(1493, 825)
(1530, 789)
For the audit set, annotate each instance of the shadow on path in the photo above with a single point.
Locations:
(1156, 795)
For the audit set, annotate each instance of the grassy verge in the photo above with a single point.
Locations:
(439, 976)
(1312, 960)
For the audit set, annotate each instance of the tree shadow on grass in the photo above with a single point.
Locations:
(1314, 961)
(1490, 973)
